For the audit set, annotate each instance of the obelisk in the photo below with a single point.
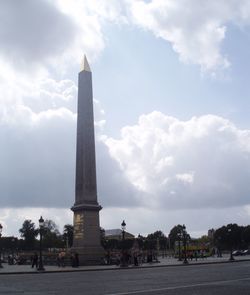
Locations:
(86, 209)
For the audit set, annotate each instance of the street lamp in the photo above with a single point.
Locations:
(41, 225)
(1, 228)
(12, 249)
(123, 225)
(231, 258)
(13, 245)
(157, 249)
(179, 246)
(67, 243)
(185, 244)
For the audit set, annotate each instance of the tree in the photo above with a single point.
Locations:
(174, 234)
(51, 235)
(68, 233)
(29, 233)
(141, 241)
(156, 235)
(9, 243)
(111, 244)
(246, 236)
(156, 239)
(204, 240)
(229, 236)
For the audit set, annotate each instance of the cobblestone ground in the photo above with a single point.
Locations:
(162, 262)
(202, 279)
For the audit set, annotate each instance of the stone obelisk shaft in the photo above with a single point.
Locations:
(86, 208)
(86, 192)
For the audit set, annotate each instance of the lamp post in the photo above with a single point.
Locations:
(13, 246)
(41, 225)
(12, 250)
(157, 249)
(185, 244)
(179, 246)
(123, 225)
(218, 245)
(1, 228)
(231, 258)
(67, 243)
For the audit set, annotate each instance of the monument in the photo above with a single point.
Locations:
(86, 208)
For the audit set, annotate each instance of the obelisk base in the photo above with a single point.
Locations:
(87, 235)
(89, 255)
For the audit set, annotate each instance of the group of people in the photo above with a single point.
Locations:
(74, 259)
(61, 259)
(128, 258)
(13, 259)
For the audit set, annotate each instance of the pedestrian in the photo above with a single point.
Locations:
(108, 258)
(72, 259)
(61, 259)
(135, 259)
(76, 259)
(195, 255)
(35, 260)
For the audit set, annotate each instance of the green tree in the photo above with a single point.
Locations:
(174, 234)
(9, 243)
(29, 232)
(156, 239)
(246, 236)
(68, 233)
(229, 236)
(203, 240)
(141, 242)
(111, 244)
(51, 235)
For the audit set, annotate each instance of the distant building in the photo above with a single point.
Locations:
(116, 234)
(210, 233)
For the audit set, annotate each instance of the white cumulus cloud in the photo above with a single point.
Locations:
(48, 33)
(203, 162)
(37, 135)
(196, 29)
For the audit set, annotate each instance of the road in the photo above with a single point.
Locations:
(215, 279)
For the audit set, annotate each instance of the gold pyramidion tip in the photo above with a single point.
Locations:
(85, 65)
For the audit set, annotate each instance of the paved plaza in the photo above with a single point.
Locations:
(194, 279)
(163, 262)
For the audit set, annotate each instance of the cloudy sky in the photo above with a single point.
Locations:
(171, 90)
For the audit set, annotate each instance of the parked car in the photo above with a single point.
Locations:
(237, 253)
(246, 252)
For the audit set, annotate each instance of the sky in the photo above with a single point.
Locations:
(171, 104)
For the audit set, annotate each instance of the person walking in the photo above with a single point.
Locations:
(35, 260)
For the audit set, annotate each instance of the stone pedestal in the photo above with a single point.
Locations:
(87, 235)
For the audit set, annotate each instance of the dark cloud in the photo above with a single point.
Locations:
(114, 188)
(38, 164)
(33, 31)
